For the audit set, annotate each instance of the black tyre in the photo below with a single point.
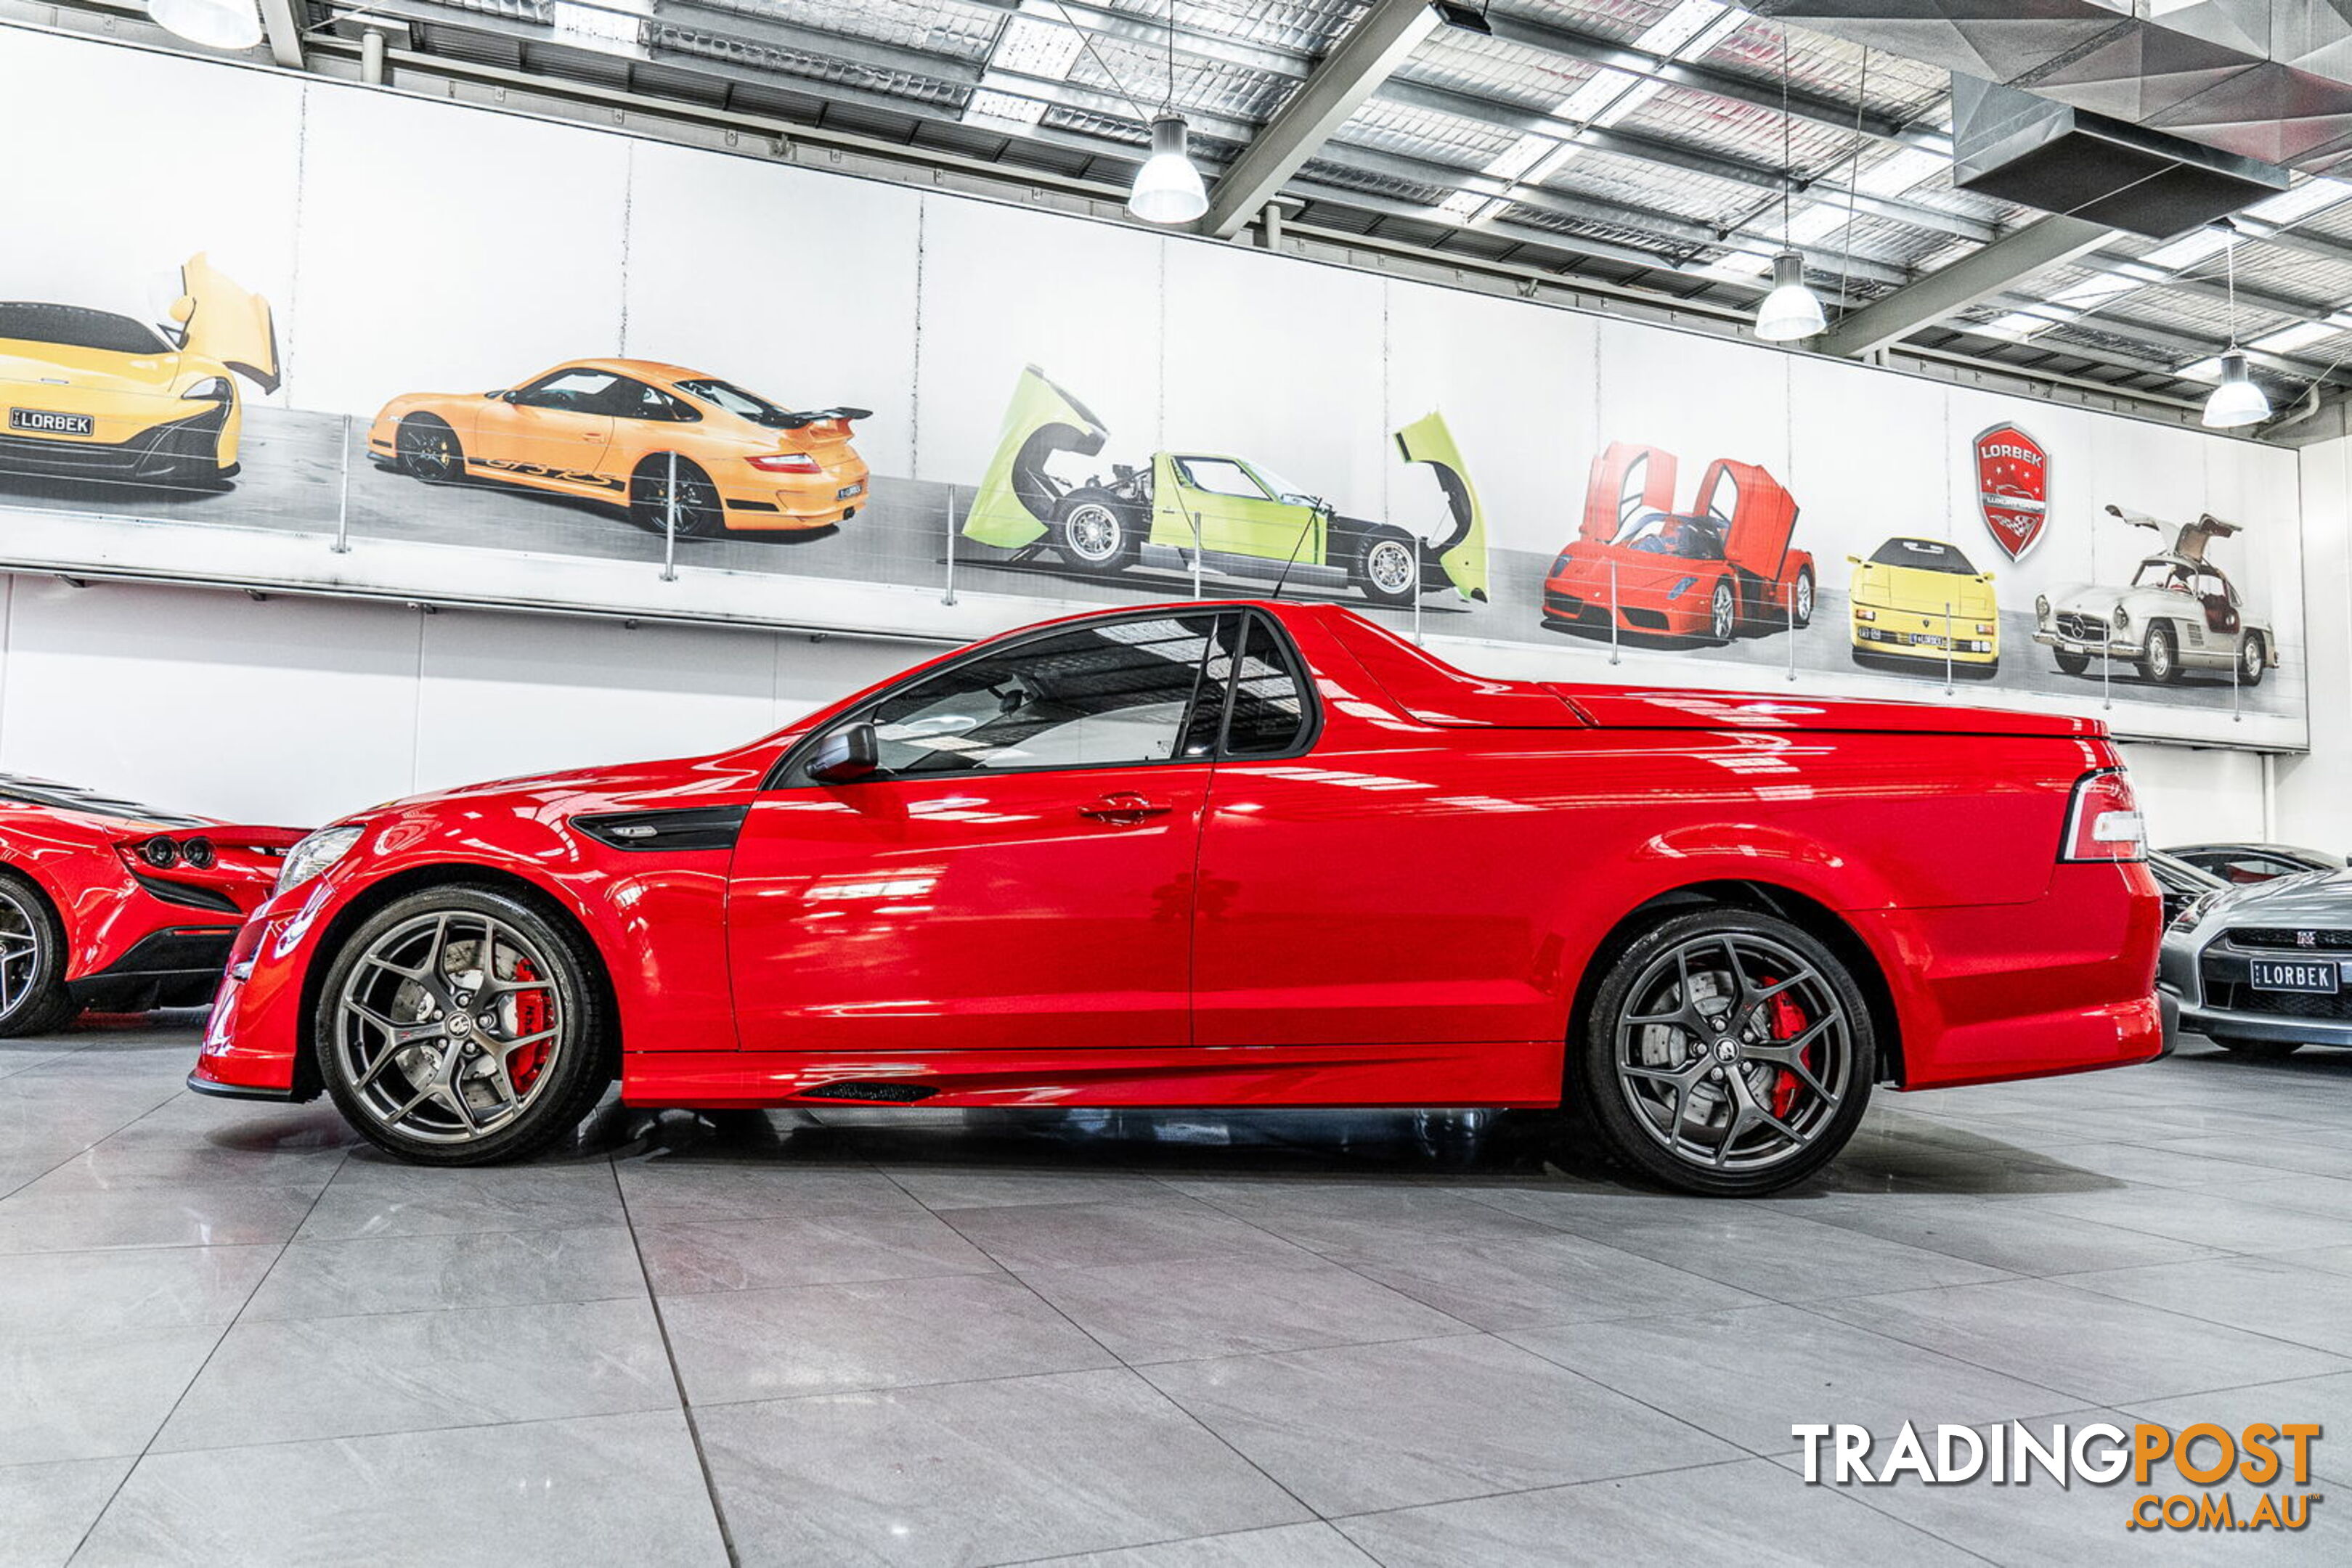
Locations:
(459, 1026)
(699, 513)
(2159, 659)
(1096, 532)
(1723, 611)
(428, 449)
(1801, 608)
(1388, 567)
(33, 995)
(2071, 662)
(2252, 659)
(1725, 1052)
(2260, 1049)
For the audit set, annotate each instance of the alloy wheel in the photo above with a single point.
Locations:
(1720, 613)
(450, 1027)
(20, 951)
(1734, 1052)
(1389, 565)
(1093, 533)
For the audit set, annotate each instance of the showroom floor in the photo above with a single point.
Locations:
(231, 1338)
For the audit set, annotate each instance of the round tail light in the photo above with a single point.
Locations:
(160, 853)
(197, 852)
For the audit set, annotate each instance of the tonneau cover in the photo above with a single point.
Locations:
(1616, 708)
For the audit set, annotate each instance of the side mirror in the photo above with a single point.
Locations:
(846, 756)
(495, 392)
(1853, 560)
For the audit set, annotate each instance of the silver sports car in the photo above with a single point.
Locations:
(2261, 969)
(2180, 612)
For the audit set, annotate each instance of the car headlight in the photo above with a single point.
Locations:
(2122, 617)
(1863, 613)
(1682, 586)
(212, 389)
(2042, 608)
(2196, 910)
(314, 854)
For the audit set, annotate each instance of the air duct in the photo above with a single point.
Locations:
(2264, 79)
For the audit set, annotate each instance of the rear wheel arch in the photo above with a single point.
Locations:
(1810, 916)
(308, 1085)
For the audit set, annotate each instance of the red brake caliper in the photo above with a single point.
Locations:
(531, 1017)
(1788, 1023)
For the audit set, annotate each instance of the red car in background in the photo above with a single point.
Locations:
(1237, 854)
(109, 904)
(1724, 565)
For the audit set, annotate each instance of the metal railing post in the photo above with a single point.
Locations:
(1612, 612)
(344, 494)
(949, 597)
(1947, 647)
(1791, 606)
(669, 525)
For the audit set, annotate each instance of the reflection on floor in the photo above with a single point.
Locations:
(925, 1338)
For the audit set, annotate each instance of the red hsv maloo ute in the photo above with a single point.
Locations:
(1245, 855)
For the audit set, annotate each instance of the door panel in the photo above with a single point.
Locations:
(967, 914)
(1016, 872)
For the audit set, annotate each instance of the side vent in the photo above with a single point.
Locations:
(871, 1091)
(686, 828)
(188, 895)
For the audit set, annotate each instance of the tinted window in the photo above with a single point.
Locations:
(626, 399)
(1925, 555)
(1269, 699)
(75, 328)
(581, 391)
(1117, 693)
(734, 400)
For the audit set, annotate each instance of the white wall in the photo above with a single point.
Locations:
(296, 710)
(2314, 792)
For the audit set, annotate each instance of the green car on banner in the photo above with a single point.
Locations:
(1230, 516)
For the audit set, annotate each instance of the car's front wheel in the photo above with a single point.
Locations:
(428, 450)
(1388, 568)
(2252, 659)
(460, 1026)
(2072, 663)
(33, 995)
(2160, 660)
(1800, 609)
(1725, 1052)
(1723, 611)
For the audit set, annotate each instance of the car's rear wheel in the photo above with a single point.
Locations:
(2252, 659)
(2159, 660)
(2260, 1049)
(1093, 533)
(459, 1026)
(1388, 568)
(428, 450)
(1725, 1052)
(698, 512)
(33, 995)
(2071, 662)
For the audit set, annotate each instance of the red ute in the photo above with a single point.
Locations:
(1724, 565)
(1229, 855)
(109, 904)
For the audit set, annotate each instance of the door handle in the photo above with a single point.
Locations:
(1124, 808)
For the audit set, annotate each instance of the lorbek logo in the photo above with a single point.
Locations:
(2012, 488)
(2178, 1481)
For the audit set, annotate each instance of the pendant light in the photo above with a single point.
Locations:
(2237, 401)
(216, 24)
(1791, 310)
(1168, 189)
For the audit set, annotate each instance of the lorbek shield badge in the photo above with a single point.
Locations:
(2012, 488)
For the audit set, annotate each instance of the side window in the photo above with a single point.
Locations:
(1220, 477)
(1269, 696)
(1121, 692)
(580, 390)
(1723, 497)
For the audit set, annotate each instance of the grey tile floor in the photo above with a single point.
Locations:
(227, 1335)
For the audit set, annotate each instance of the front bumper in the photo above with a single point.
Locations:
(190, 448)
(1649, 612)
(2212, 987)
(1891, 642)
(2112, 647)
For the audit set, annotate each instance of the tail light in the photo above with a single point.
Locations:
(786, 463)
(160, 853)
(2103, 821)
(197, 852)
